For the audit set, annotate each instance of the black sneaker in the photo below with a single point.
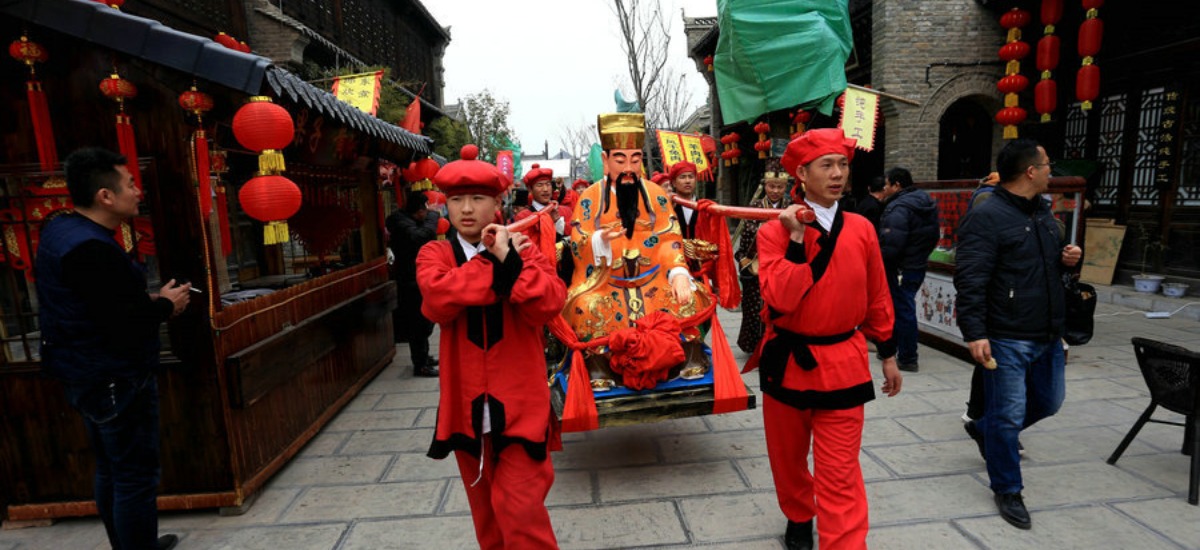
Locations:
(1012, 509)
(166, 542)
(978, 437)
(909, 367)
(427, 371)
(799, 536)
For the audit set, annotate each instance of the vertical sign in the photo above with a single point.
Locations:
(361, 91)
(859, 114)
(693, 150)
(672, 148)
(1167, 130)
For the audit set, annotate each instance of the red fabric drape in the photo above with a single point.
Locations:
(223, 221)
(712, 228)
(643, 355)
(128, 147)
(43, 131)
(729, 393)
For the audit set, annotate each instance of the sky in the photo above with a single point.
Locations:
(556, 62)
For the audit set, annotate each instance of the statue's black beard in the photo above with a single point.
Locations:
(628, 195)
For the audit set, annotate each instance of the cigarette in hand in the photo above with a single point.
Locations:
(196, 290)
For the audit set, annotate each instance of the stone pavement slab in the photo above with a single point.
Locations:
(376, 500)
(1173, 517)
(1083, 527)
(618, 526)
(924, 536)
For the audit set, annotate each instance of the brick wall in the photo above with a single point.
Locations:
(909, 35)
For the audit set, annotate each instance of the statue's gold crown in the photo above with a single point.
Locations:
(621, 130)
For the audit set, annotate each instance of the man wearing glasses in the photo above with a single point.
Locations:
(1011, 310)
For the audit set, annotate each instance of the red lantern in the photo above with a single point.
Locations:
(443, 226)
(1010, 116)
(112, 3)
(29, 52)
(762, 128)
(708, 62)
(1014, 51)
(226, 40)
(1045, 98)
(1013, 84)
(1052, 11)
(1091, 32)
(1087, 85)
(266, 127)
(195, 102)
(118, 89)
(1047, 53)
(799, 120)
(1014, 19)
(198, 103)
(1092, 4)
(271, 199)
(243, 47)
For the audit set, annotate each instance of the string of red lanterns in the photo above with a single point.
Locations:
(763, 145)
(731, 153)
(29, 53)
(1091, 33)
(198, 103)
(1045, 94)
(1013, 83)
(267, 128)
(799, 119)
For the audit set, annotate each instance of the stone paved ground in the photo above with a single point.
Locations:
(704, 482)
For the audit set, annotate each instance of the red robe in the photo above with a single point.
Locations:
(563, 211)
(492, 345)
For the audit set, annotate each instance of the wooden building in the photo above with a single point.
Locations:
(283, 336)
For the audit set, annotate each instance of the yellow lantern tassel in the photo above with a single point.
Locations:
(271, 162)
(1010, 132)
(275, 232)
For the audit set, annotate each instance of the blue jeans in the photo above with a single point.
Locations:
(904, 302)
(122, 426)
(1026, 386)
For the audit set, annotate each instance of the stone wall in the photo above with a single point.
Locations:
(911, 37)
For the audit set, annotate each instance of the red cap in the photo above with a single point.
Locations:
(470, 176)
(580, 184)
(537, 173)
(679, 168)
(814, 144)
(659, 178)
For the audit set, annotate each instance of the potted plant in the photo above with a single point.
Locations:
(1148, 282)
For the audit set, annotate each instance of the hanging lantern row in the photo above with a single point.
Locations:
(1013, 83)
(29, 53)
(799, 119)
(763, 145)
(231, 42)
(1091, 33)
(119, 90)
(198, 103)
(1045, 94)
(267, 128)
(731, 152)
(708, 62)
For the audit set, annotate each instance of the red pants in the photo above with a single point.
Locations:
(834, 492)
(508, 502)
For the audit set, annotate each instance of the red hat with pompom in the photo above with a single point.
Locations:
(580, 184)
(537, 173)
(469, 176)
(679, 168)
(814, 144)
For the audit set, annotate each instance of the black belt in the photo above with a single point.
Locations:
(785, 343)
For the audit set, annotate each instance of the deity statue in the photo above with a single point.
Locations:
(629, 255)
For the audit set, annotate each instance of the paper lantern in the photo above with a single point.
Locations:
(271, 199)
(708, 62)
(226, 40)
(1012, 52)
(1010, 116)
(198, 103)
(1013, 84)
(267, 128)
(29, 52)
(1047, 53)
(1087, 85)
(1045, 98)
(243, 47)
(118, 89)
(1014, 18)
(195, 102)
(1091, 34)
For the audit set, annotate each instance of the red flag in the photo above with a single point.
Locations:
(412, 117)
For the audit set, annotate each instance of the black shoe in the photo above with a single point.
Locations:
(433, 362)
(973, 431)
(799, 536)
(428, 371)
(909, 367)
(167, 542)
(1012, 509)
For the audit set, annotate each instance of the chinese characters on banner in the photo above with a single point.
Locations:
(504, 161)
(859, 115)
(1166, 137)
(361, 91)
(677, 147)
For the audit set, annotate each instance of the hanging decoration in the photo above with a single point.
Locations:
(1091, 33)
(267, 128)
(420, 174)
(118, 89)
(763, 145)
(227, 41)
(1045, 94)
(29, 52)
(115, 4)
(1013, 83)
(731, 152)
(799, 119)
(708, 62)
(198, 103)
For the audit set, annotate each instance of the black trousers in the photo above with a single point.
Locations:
(409, 324)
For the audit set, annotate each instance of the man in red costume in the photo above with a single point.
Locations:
(826, 292)
(491, 293)
(540, 182)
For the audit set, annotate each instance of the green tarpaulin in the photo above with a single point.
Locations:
(776, 54)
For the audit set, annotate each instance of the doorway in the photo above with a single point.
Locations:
(964, 141)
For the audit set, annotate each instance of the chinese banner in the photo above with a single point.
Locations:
(1168, 131)
(361, 91)
(504, 161)
(859, 117)
(693, 150)
(671, 147)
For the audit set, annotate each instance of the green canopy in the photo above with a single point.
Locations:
(776, 54)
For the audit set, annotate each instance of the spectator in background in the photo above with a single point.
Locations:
(871, 206)
(908, 232)
(409, 229)
(1011, 309)
(775, 183)
(100, 338)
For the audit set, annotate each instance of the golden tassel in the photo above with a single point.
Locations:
(271, 162)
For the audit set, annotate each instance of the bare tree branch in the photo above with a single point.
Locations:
(646, 39)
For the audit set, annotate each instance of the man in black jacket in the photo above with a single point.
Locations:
(1011, 312)
(908, 231)
(871, 206)
(100, 338)
(409, 229)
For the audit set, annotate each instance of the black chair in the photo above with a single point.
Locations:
(1172, 374)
